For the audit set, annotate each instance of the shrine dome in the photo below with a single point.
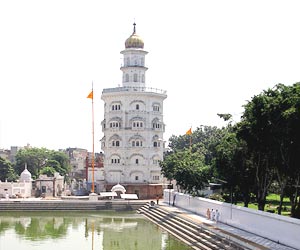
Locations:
(118, 188)
(134, 41)
(25, 175)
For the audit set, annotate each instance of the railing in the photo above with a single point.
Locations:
(135, 89)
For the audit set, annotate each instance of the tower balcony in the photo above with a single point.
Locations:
(126, 66)
(135, 89)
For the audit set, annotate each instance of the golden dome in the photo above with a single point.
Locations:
(134, 41)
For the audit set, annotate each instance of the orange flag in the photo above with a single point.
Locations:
(91, 95)
(189, 132)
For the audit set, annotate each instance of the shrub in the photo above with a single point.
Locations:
(217, 197)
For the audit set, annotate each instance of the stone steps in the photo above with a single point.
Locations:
(48, 205)
(194, 235)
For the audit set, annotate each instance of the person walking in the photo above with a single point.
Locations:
(217, 215)
(174, 198)
(208, 214)
(212, 214)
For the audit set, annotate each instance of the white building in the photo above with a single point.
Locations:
(22, 188)
(133, 127)
(50, 185)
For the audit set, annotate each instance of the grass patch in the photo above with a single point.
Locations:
(272, 203)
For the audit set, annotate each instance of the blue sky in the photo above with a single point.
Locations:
(210, 56)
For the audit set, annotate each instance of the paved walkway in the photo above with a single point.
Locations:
(246, 238)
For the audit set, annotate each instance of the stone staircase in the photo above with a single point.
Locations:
(198, 236)
(52, 205)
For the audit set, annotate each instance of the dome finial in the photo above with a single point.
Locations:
(134, 24)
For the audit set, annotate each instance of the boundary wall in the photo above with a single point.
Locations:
(278, 228)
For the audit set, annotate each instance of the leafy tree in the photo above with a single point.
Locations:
(254, 129)
(64, 167)
(204, 139)
(190, 165)
(263, 148)
(232, 167)
(55, 165)
(35, 159)
(6, 171)
(39, 158)
(270, 126)
(188, 169)
(49, 171)
(225, 117)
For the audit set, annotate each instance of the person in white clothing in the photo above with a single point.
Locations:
(212, 214)
(217, 215)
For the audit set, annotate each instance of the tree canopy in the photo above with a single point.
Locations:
(38, 159)
(249, 156)
(7, 171)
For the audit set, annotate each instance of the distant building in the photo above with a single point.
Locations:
(133, 127)
(5, 154)
(97, 172)
(13, 152)
(77, 158)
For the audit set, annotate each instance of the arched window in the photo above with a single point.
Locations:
(116, 107)
(128, 61)
(135, 77)
(137, 106)
(137, 125)
(115, 143)
(155, 107)
(115, 160)
(126, 78)
(136, 161)
(143, 78)
(115, 125)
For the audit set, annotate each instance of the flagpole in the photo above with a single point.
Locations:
(93, 134)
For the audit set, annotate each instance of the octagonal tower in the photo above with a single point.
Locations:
(133, 127)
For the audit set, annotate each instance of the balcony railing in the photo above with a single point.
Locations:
(135, 89)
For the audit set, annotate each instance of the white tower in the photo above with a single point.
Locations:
(133, 127)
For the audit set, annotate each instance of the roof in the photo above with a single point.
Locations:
(129, 196)
(108, 194)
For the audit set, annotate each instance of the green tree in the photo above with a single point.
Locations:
(64, 166)
(270, 126)
(254, 130)
(39, 158)
(35, 159)
(188, 169)
(232, 167)
(6, 171)
(49, 171)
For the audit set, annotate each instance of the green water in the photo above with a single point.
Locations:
(78, 230)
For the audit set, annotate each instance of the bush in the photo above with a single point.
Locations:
(217, 197)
